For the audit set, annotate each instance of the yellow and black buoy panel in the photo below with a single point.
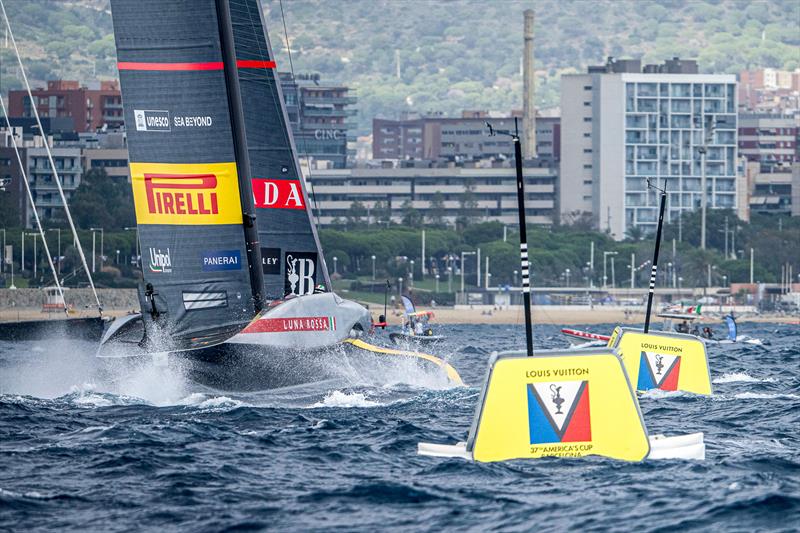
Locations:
(664, 360)
(558, 403)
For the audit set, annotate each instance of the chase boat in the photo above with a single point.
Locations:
(416, 326)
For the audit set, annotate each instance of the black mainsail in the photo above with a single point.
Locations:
(292, 260)
(189, 169)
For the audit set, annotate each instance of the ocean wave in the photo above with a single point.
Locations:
(765, 396)
(346, 399)
(658, 393)
(741, 377)
(204, 402)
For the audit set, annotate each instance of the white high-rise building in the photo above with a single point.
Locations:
(622, 124)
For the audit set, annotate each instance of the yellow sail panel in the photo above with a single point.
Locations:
(666, 361)
(186, 194)
(564, 405)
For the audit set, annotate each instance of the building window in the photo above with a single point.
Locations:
(587, 119)
(587, 150)
(587, 87)
(587, 166)
(587, 104)
(587, 182)
(587, 134)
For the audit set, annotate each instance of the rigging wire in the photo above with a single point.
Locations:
(305, 150)
(33, 207)
(34, 107)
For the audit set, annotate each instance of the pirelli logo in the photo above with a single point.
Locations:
(193, 194)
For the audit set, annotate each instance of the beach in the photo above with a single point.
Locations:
(569, 315)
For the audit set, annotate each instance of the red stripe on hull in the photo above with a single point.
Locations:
(289, 324)
(584, 334)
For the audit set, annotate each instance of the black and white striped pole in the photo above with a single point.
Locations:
(523, 236)
(655, 255)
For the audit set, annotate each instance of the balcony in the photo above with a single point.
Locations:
(328, 112)
(329, 126)
(329, 100)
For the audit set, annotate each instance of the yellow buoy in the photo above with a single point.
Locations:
(663, 360)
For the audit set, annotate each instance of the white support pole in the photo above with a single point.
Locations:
(613, 273)
(751, 266)
(674, 266)
(462, 275)
(478, 276)
(424, 270)
(633, 268)
(703, 199)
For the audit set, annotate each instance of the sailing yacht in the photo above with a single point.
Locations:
(221, 205)
(237, 280)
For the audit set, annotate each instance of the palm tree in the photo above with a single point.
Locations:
(634, 233)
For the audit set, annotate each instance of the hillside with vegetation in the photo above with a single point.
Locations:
(453, 54)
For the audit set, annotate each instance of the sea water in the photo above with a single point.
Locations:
(87, 447)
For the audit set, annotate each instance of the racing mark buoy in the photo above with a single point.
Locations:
(663, 360)
(561, 403)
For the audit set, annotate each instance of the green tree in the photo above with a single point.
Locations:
(412, 218)
(437, 211)
(103, 201)
(356, 215)
(634, 233)
(468, 205)
(382, 213)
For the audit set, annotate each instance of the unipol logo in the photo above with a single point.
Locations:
(188, 194)
(160, 261)
(300, 273)
(278, 194)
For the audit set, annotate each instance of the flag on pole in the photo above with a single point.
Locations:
(8, 254)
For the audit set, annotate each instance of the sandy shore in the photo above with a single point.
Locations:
(567, 317)
(557, 315)
(15, 315)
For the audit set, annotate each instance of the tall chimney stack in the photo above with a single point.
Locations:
(528, 80)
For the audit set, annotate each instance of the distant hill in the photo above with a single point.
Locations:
(454, 54)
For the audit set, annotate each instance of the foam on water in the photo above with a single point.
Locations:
(206, 402)
(764, 396)
(384, 370)
(346, 399)
(741, 377)
(659, 394)
(70, 369)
